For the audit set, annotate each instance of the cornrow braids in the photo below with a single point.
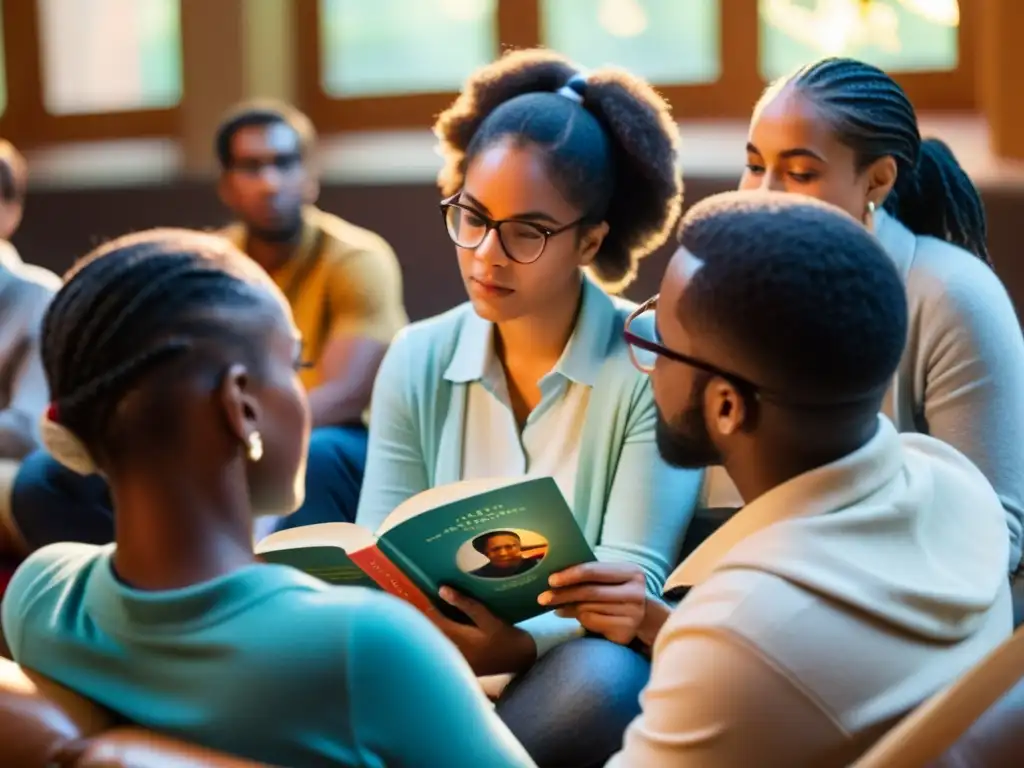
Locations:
(130, 306)
(609, 139)
(871, 114)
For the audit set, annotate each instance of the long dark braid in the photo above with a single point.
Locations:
(135, 303)
(871, 114)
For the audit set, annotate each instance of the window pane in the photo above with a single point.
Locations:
(387, 47)
(896, 35)
(664, 41)
(110, 55)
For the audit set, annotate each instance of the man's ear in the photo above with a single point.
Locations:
(241, 409)
(725, 407)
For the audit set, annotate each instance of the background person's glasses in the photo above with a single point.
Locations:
(522, 241)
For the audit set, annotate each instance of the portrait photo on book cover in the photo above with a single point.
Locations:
(502, 553)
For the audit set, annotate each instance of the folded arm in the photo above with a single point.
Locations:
(366, 312)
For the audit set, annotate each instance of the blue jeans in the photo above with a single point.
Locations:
(571, 708)
(50, 503)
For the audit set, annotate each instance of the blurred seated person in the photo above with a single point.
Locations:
(344, 286)
(25, 293)
(867, 569)
(189, 402)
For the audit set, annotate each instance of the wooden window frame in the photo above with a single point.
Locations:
(731, 96)
(25, 120)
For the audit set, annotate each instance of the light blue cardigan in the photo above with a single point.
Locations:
(630, 505)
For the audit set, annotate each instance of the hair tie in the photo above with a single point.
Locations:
(575, 89)
(63, 444)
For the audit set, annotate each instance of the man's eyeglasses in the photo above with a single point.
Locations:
(254, 166)
(522, 241)
(645, 349)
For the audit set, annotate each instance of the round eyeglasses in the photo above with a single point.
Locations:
(522, 241)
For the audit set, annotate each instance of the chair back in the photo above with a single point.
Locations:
(974, 718)
(46, 725)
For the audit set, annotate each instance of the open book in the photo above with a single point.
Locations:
(494, 540)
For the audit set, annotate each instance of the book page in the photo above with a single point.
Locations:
(441, 495)
(346, 536)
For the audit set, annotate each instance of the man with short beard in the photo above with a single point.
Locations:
(867, 569)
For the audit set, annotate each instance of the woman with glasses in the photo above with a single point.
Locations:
(843, 131)
(556, 183)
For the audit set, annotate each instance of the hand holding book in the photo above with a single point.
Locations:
(608, 599)
(490, 645)
(493, 540)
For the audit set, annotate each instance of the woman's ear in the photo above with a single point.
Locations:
(590, 242)
(240, 407)
(881, 176)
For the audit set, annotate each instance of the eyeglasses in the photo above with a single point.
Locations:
(254, 166)
(522, 241)
(641, 335)
(645, 349)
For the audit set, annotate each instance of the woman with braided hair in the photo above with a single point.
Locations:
(555, 183)
(172, 361)
(845, 132)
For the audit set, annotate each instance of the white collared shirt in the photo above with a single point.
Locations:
(548, 444)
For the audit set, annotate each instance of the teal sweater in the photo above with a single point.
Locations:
(265, 663)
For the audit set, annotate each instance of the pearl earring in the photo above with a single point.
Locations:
(871, 207)
(255, 447)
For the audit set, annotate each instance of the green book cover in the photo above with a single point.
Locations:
(494, 540)
(498, 547)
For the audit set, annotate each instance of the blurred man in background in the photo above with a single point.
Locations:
(343, 283)
(344, 286)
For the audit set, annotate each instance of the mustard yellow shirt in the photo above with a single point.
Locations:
(342, 281)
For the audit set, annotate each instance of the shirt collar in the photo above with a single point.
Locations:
(826, 489)
(581, 359)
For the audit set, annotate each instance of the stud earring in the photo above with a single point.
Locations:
(255, 447)
(871, 207)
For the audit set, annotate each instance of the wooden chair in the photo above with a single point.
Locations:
(977, 722)
(45, 725)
